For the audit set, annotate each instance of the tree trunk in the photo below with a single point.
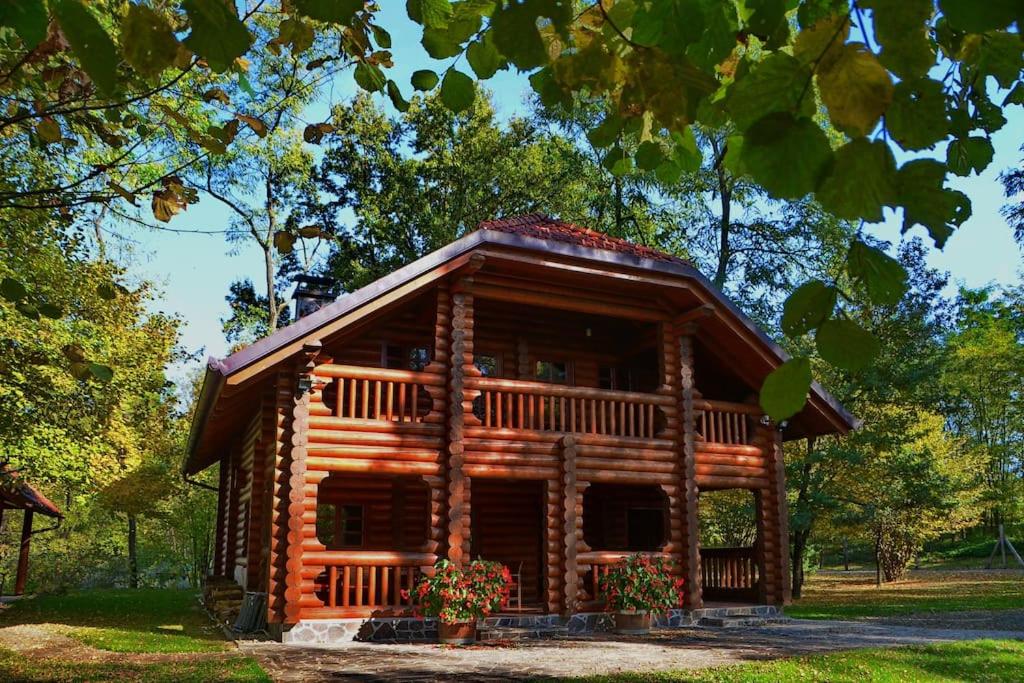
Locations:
(133, 558)
(725, 220)
(797, 561)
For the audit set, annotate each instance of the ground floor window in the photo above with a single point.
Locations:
(625, 517)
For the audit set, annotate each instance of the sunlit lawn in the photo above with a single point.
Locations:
(841, 595)
(979, 660)
(155, 622)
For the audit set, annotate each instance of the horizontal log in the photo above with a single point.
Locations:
(727, 407)
(731, 470)
(709, 482)
(350, 424)
(368, 558)
(603, 557)
(509, 472)
(474, 432)
(402, 440)
(626, 465)
(711, 447)
(385, 374)
(730, 459)
(327, 464)
(612, 477)
(373, 452)
(530, 460)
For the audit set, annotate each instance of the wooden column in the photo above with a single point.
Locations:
(688, 480)
(570, 523)
(553, 545)
(461, 357)
(773, 513)
(297, 485)
(26, 538)
(231, 518)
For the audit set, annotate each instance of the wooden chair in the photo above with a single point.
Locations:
(515, 592)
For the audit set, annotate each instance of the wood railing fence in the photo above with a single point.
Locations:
(378, 393)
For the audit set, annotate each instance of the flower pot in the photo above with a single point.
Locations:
(633, 622)
(462, 633)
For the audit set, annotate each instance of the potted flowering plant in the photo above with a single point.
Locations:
(459, 597)
(638, 586)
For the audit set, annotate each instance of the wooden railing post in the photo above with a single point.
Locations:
(688, 467)
(570, 523)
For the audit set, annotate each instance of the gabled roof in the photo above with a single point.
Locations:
(16, 494)
(531, 232)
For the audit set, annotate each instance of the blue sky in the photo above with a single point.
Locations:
(193, 271)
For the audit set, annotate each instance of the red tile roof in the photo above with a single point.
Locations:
(544, 227)
(15, 493)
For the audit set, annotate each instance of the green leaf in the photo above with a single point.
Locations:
(484, 57)
(649, 156)
(617, 162)
(51, 311)
(784, 391)
(774, 85)
(218, 35)
(902, 28)
(429, 13)
(27, 309)
(808, 306)
(107, 291)
(917, 118)
(27, 18)
(926, 202)
(147, 40)
(424, 79)
(785, 155)
(331, 11)
(882, 276)
(12, 290)
(964, 155)
(1001, 55)
(48, 130)
(439, 44)
(845, 344)
(856, 89)
(765, 16)
(1015, 96)
(457, 91)
(973, 16)
(369, 77)
(101, 372)
(93, 47)
(382, 37)
(607, 132)
(517, 37)
(399, 102)
(686, 153)
(861, 180)
(718, 39)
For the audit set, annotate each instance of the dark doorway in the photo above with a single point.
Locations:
(506, 520)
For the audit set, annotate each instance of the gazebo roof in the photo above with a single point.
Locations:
(18, 495)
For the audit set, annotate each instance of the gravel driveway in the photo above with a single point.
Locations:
(586, 655)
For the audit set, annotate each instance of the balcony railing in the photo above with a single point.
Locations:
(379, 393)
(517, 404)
(724, 422)
(729, 573)
(369, 580)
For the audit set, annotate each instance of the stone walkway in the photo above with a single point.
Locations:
(590, 655)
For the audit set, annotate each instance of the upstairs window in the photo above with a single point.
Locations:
(555, 372)
(489, 366)
(405, 357)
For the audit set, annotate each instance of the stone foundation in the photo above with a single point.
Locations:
(413, 630)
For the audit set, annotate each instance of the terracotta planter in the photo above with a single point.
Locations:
(462, 633)
(633, 622)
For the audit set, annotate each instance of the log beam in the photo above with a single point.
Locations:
(688, 480)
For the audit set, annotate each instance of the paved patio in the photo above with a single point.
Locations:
(594, 654)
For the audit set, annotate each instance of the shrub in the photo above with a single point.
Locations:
(456, 595)
(642, 582)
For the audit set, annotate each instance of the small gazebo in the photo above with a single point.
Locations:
(17, 495)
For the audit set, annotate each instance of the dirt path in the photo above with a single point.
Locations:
(1001, 620)
(44, 641)
(580, 656)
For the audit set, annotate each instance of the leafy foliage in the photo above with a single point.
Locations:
(642, 582)
(458, 594)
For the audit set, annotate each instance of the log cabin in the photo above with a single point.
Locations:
(534, 393)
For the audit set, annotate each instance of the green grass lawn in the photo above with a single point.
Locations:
(176, 641)
(839, 595)
(979, 660)
(143, 620)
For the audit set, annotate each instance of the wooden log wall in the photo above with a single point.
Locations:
(460, 409)
(688, 474)
(244, 474)
(773, 519)
(395, 510)
(219, 543)
(283, 393)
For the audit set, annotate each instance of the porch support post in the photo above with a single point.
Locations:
(26, 538)
(297, 485)
(570, 523)
(460, 403)
(222, 501)
(688, 470)
(774, 513)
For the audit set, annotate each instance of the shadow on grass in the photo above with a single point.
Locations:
(123, 620)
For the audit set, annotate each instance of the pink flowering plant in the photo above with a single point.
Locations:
(457, 595)
(642, 583)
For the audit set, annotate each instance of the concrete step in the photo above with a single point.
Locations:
(521, 633)
(733, 622)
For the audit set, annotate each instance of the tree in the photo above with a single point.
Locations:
(1013, 211)
(415, 183)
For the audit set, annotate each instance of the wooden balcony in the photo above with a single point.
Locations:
(729, 574)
